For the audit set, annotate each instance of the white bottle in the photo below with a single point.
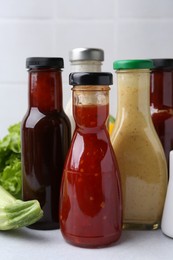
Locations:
(83, 60)
(167, 217)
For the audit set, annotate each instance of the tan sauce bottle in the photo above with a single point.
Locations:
(137, 147)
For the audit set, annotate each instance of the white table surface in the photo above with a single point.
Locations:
(28, 244)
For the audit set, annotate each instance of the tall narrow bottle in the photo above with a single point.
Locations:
(161, 102)
(139, 153)
(91, 206)
(45, 138)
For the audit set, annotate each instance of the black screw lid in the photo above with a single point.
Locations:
(91, 78)
(162, 63)
(44, 62)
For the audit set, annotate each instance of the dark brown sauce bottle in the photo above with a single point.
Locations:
(161, 102)
(46, 135)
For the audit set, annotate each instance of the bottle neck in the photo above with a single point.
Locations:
(90, 106)
(133, 94)
(45, 89)
(161, 91)
(86, 66)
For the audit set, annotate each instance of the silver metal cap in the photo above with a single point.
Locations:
(86, 54)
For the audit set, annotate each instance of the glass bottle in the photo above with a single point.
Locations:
(140, 155)
(91, 207)
(45, 138)
(86, 59)
(161, 102)
(167, 224)
(83, 60)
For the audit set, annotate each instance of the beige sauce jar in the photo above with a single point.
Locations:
(137, 147)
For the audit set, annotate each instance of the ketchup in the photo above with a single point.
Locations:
(45, 139)
(90, 208)
(161, 102)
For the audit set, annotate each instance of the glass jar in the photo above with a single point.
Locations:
(91, 207)
(45, 138)
(161, 102)
(139, 153)
(83, 60)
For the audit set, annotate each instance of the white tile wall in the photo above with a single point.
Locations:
(145, 9)
(145, 38)
(13, 104)
(84, 33)
(123, 28)
(26, 9)
(20, 39)
(85, 10)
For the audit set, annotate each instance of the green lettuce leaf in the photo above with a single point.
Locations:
(10, 161)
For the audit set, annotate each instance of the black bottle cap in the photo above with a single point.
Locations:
(44, 62)
(162, 63)
(91, 78)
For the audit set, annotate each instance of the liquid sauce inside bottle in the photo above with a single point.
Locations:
(45, 142)
(139, 152)
(82, 60)
(90, 215)
(161, 103)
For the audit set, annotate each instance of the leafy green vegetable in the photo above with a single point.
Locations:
(17, 213)
(10, 161)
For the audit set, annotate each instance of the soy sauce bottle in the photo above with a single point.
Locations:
(161, 102)
(45, 137)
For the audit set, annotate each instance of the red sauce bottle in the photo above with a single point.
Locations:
(46, 135)
(91, 206)
(161, 102)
